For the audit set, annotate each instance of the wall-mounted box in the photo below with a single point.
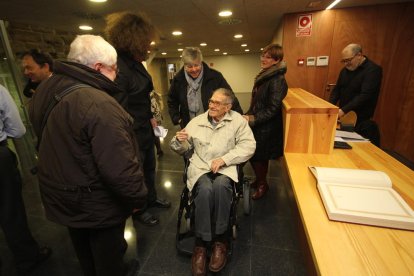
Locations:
(310, 61)
(322, 61)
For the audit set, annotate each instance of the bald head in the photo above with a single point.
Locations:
(352, 56)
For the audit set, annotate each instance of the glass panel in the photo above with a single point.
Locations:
(11, 78)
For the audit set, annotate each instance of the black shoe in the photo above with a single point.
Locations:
(26, 267)
(146, 219)
(160, 203)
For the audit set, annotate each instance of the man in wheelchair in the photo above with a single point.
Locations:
(220, 139)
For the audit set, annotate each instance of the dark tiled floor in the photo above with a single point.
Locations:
(267, 241)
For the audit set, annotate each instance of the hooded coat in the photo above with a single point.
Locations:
(89, 172)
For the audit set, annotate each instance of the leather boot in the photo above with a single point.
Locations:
(260, 191)
(198, 261)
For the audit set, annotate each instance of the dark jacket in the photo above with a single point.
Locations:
(266, 112)
(177, 96)
(136, 84)
(358, 90)
(89, 173)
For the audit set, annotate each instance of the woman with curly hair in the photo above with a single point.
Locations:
(131, 34)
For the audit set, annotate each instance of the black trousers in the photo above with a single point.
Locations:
(149, 166)
(100, 251)
(13, 219)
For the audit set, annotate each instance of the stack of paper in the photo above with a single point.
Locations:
(346, 136)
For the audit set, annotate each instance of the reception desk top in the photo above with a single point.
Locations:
(339, 248)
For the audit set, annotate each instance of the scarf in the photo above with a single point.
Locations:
(265, 73)
(193, 87)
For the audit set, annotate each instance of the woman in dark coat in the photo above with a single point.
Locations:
(265, 114)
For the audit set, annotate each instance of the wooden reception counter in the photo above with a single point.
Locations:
(338, 248)
(309, 122)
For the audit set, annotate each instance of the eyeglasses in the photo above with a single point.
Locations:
(216, 103)
(348, 60)
(114, 68)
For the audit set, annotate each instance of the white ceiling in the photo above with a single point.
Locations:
(197, 19)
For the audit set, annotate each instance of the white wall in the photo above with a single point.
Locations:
(238, 70)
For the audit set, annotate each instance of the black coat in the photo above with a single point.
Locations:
(136, 84)
(89, 174)
(266, 109)
(177, 96)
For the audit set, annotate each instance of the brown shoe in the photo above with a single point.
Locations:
(198, 261)
(260, 191)
(218, 257)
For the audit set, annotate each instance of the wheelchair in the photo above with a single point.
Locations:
(185, 236)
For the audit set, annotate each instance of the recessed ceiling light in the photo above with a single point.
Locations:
(176, 33)
(244, 45)
(98, 1)
(225, 53)
(85, 28)
(180, 49)
(261, 49)
(225, 13)
(163, 53)
(238, 36)
(152, 43)
(217, 50)
(149, 52)
(203, 44)
(246, 50)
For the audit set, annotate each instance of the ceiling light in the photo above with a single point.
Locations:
(238, 36)
(261, 49)
(225, 53)
(152, 43)
(246, 50)
(98, 1)
(225, 13)
(203, 44)
(216, 50)
(180, 49)
(176, 33)
(333, 4)
(85, 28)
(163, 53)
(244, 45)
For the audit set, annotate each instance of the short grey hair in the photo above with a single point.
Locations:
(355, 48)
(227, 93)
(91, 49)
(191, 54)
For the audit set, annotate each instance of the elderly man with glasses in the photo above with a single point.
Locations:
(358, 85)
(221, 139)
(90, 173)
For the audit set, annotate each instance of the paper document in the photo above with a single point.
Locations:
(349, 136)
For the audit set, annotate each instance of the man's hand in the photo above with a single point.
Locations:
(181, 135)
(216, 164)
(340, 113)
(246, 117)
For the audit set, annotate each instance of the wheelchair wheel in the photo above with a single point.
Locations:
(246, 197)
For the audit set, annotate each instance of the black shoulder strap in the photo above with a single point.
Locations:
(55, 100)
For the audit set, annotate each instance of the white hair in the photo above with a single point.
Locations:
(91, 49)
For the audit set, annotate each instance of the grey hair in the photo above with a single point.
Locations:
(227, 93)
(91, 49)
(355, 48)
(190, 54)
